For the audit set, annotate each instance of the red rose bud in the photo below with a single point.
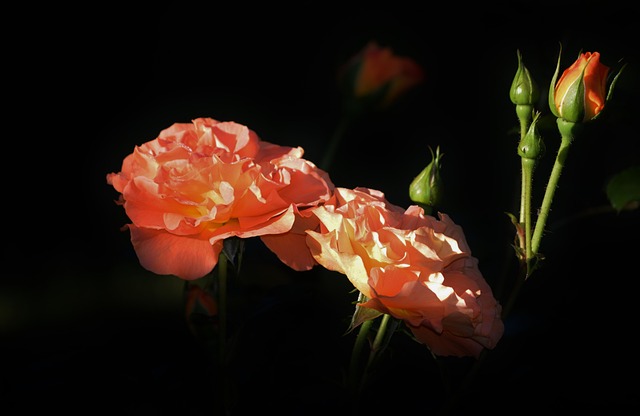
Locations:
(376, 77)
(581, 92)
(426, 188)
(524, 90)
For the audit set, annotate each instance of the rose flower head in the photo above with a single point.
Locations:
(411, 266)
(376, 77)
(582, 90)
(198, 183)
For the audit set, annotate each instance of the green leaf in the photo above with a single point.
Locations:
(613, 83)
(623, 189)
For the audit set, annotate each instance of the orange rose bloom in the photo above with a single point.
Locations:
(411, 266)
(201, 182)
(291, 247)
(381, 75)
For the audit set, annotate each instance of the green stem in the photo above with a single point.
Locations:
(354, 367)
(566, 131)
(527, 180)
(523, 196)
(223, 402)
(379, 337)
(525, 116)
(222, 307)
(358, 379)
(524, 113)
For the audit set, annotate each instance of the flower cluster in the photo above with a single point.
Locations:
(198, 185)
(578, 97)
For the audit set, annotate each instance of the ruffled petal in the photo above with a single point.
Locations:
(164, 253)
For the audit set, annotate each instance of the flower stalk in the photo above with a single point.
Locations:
(222, 308)
(527, 180)
(566, 129)
(524, 94)
(358, 378)
(524, 113)
(530, 149)
(354, 381)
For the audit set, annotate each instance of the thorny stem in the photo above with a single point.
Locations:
(566, 131)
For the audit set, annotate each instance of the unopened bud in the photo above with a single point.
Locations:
(524, 90)
(426, 188)
(531, 146)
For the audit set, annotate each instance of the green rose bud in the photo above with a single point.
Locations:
(426, 188)
(531, 146)
(524, 90)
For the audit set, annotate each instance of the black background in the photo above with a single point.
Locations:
(86, 330)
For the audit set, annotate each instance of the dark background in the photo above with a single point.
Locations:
(86, 330)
